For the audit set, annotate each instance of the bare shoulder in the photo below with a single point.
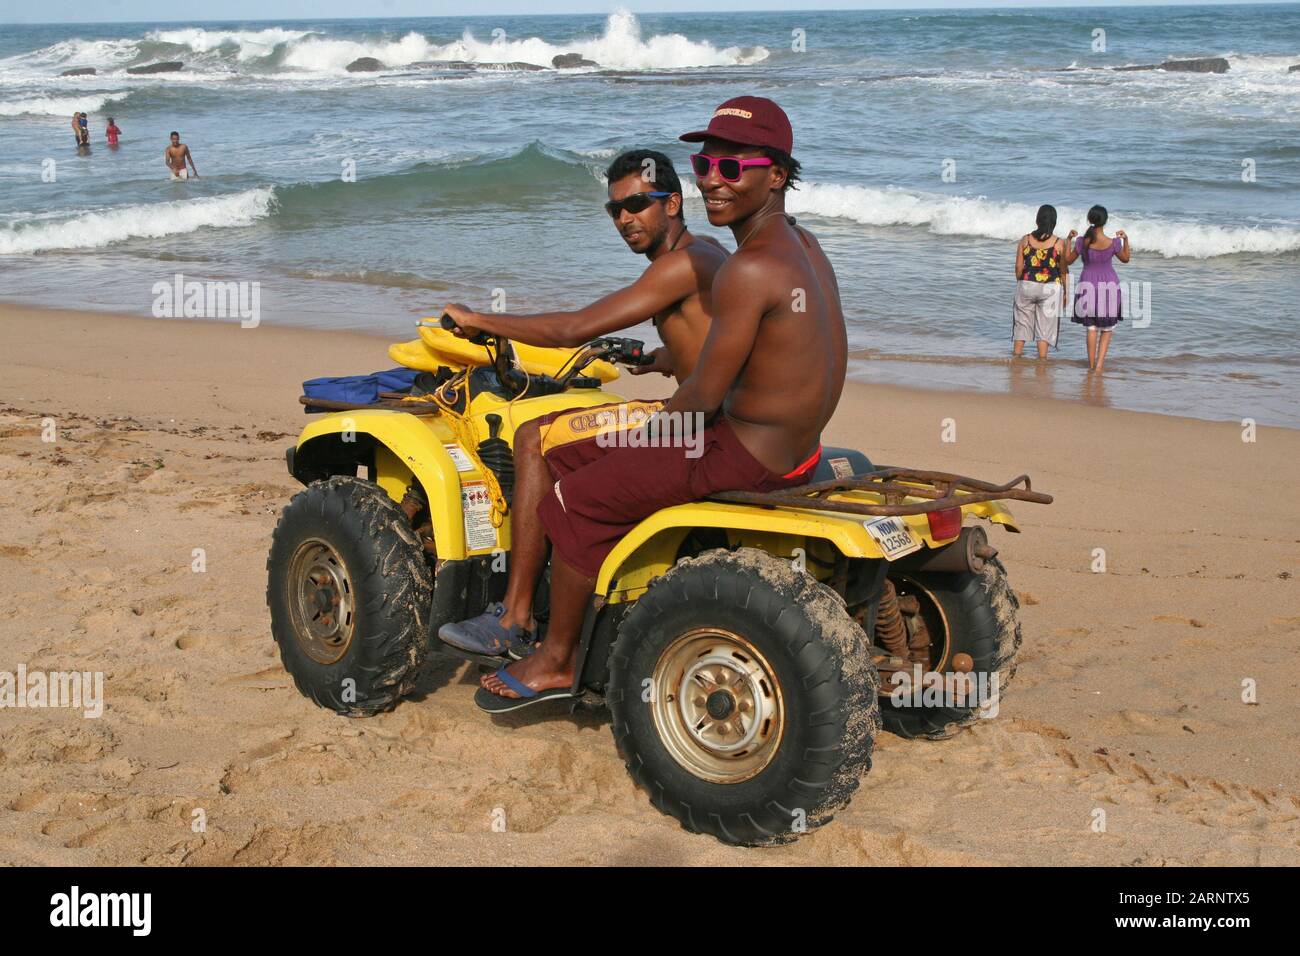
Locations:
(807, 235)
(749, 268)
(704, 256)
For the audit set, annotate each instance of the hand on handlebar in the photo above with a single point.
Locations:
(459, 321)
(660, 361)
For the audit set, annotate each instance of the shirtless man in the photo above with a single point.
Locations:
(176, 155)
(769, 377)
(645, 203)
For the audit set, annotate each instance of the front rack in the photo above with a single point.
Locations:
(940, 490)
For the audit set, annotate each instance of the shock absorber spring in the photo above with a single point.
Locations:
(891, 632)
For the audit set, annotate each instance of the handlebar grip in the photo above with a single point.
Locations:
(448, 323)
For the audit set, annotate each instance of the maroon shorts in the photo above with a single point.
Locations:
(602, 491)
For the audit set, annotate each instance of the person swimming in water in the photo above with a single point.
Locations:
(112, 132)
(81, 129)
(176, 155)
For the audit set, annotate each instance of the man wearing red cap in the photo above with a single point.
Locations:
(768, 378)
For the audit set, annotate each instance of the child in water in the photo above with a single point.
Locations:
(112, 132)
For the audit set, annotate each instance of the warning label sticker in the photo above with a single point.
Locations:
(842, 468)
(476, 505)
(459, 457)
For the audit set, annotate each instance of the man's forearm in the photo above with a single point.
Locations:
(544, 329)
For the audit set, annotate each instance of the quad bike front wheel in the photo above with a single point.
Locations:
(975, 614)
(743, 698)
(349, 592)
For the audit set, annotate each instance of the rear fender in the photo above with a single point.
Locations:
(651, 548)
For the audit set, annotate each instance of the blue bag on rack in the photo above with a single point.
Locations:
(360, 389)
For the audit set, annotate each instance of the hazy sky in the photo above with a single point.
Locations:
(100, 11)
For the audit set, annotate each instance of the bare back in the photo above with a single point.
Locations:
(790, 385)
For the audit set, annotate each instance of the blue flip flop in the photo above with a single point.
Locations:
(484, 636)
(496, 704)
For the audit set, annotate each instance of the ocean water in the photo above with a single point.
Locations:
(928, 140)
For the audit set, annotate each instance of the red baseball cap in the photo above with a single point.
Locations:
(750, 121)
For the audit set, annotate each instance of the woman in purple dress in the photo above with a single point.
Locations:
(1097, 301)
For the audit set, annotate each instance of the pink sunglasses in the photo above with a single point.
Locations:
(730, 168)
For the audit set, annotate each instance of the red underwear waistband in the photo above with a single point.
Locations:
(807, 466)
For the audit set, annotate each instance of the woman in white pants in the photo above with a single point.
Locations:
(1040, 286)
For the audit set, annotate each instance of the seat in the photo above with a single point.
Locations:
(840, 463)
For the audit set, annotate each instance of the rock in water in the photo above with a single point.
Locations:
(1206, 64)
(170, 66)
(567, 61)
(514, 65)
(364, 64)
(1294, 69)
(442, 65)
(79, 71)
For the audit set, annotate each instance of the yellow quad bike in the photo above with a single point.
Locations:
(747, 647)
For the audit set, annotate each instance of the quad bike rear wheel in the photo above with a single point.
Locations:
(972, 613)
(743, 697)
(349, 591)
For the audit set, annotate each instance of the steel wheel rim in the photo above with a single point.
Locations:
(717, 705)
(322, 604)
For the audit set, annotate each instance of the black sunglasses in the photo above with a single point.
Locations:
(637, 202)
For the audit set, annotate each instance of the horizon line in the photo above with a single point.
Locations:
(1013, 4)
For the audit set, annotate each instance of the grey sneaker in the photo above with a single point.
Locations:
(485, 635)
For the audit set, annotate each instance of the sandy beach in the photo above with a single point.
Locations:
(170, 437)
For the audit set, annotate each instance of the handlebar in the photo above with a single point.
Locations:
(612, 348)
(624, 351)
(448, 323)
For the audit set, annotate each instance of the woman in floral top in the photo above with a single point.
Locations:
(1040, 286)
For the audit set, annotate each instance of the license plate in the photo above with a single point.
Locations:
(894, 537)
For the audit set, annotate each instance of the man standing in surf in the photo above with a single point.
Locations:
(176, 155)
(767, 381)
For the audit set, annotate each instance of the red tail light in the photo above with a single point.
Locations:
(945, 524)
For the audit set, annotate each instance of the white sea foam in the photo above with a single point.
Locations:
(992, 219)
(251, 44)
(60, 105)
(621, 46)
(91, 230)
(1262, 63)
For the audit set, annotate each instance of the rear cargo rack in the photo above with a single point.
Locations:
(388, 402)
(939, 489)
